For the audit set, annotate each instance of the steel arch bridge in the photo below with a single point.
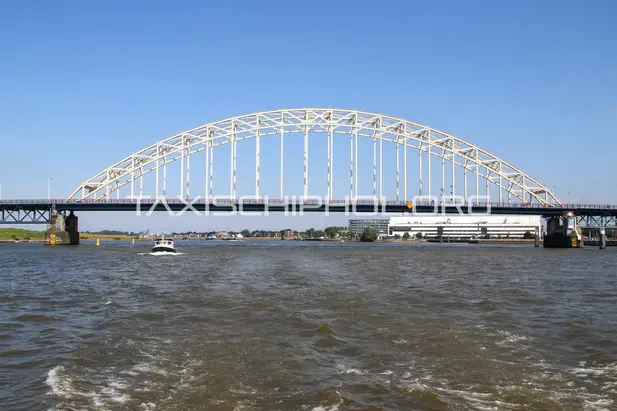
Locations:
(433, 149)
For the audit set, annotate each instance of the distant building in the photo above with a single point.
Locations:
(287, 234)
(465, 226)
(356, 226)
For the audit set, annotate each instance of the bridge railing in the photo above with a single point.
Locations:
(31, 201)
(316, 202)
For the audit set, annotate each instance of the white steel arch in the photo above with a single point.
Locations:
(428, 142)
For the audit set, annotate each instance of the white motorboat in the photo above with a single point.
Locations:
(164, 245)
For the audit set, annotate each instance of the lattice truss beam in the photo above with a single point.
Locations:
(428, 143)
(596, 221)
(24, 216)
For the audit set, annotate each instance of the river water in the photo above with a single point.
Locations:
(307, 326)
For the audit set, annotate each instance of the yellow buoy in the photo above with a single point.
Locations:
(133, 241)
(97, 242)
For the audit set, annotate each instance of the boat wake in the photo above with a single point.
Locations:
(158, 253)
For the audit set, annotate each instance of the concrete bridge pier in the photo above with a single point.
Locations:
(562, 232)
(62, 230)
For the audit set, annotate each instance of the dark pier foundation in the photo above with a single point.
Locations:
(62, 230)
(561, 232)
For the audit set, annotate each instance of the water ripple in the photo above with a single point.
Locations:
(291, 326)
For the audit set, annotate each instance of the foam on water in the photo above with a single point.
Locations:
(511, 337)
(66, 389)
(344, 369)
(60, 385)
(559, 385)
(549, 380)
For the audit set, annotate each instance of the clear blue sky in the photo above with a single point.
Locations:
(83, 84)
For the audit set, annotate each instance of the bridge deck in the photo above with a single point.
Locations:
(335, 206)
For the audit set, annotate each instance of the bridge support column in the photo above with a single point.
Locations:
(562, 232)
(536, 238)
(602, 238)
(62, 230)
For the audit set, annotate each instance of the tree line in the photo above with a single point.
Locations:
(328, 232)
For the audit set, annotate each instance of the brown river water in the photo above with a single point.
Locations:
(309, 326)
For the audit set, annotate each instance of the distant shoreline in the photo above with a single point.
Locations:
(336, 240)
(109, 237)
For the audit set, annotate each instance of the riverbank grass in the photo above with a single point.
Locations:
(15, 234)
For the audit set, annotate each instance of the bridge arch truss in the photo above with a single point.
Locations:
(429, 144)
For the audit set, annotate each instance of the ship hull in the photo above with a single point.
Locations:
(163, 249)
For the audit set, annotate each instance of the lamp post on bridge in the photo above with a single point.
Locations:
(49, 189)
